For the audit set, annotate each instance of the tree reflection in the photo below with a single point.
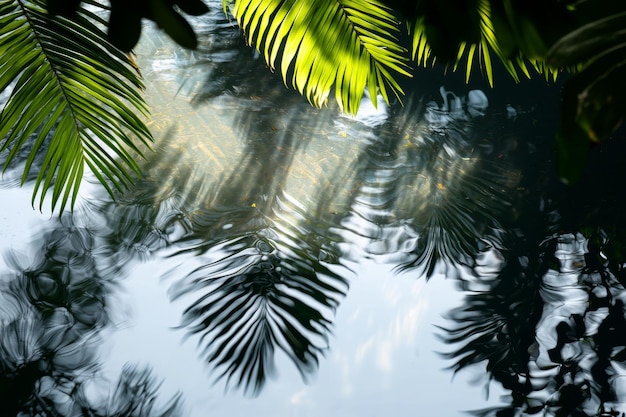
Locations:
(52, 310)
(274, 222)
(295, 194)
(263, 293)
(267, 281)
(271, 277)
(547, 316)
(428, 189)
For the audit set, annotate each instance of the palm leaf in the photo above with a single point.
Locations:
(318, 45)
(481, 52)
(73, 97)
(420, 51)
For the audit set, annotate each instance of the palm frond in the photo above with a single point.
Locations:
(318, 45)
(470, 53)
(420, 51)
(73, 96)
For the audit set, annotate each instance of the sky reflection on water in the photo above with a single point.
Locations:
(382, 355)
(263, 178)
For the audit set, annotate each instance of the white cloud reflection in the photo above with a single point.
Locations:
(394, 323)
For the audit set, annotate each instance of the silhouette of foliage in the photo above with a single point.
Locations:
(546, 309)
(258, 295)
(51, 314)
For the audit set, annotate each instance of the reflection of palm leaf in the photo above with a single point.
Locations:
(318, 44)
(136, 395)
(451, 200)
(69, 85)
(498, 321)
(259, 295)
(50, 318)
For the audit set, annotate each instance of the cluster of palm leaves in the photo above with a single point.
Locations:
(349, 46)
(74, 97)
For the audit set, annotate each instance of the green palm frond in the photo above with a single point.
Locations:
(72, 95)
(318, 45)
(481, 52)
(420, 51)
(488, 41)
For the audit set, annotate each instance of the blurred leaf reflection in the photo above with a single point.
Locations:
(456, 194)
(427, 191)
(267, 281)
(545, 311)
(271, 276)
(51, 313)
(261, 294)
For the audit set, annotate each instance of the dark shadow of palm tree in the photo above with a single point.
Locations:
(271, 277)
(548, 316)
(53, 305)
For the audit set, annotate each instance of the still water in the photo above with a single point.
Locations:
(279, 260)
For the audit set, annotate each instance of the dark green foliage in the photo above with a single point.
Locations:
(124, 26)
(594, 100)
(448, 24)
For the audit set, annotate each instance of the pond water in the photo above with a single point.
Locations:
(280, 260)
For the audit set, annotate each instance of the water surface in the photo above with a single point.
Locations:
(276, 259)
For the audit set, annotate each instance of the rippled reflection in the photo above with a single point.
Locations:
(272, 202)
(545, 311)
(275, 199)
(53, 306)
(551, 334)
(427, 193)
(259, 293)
